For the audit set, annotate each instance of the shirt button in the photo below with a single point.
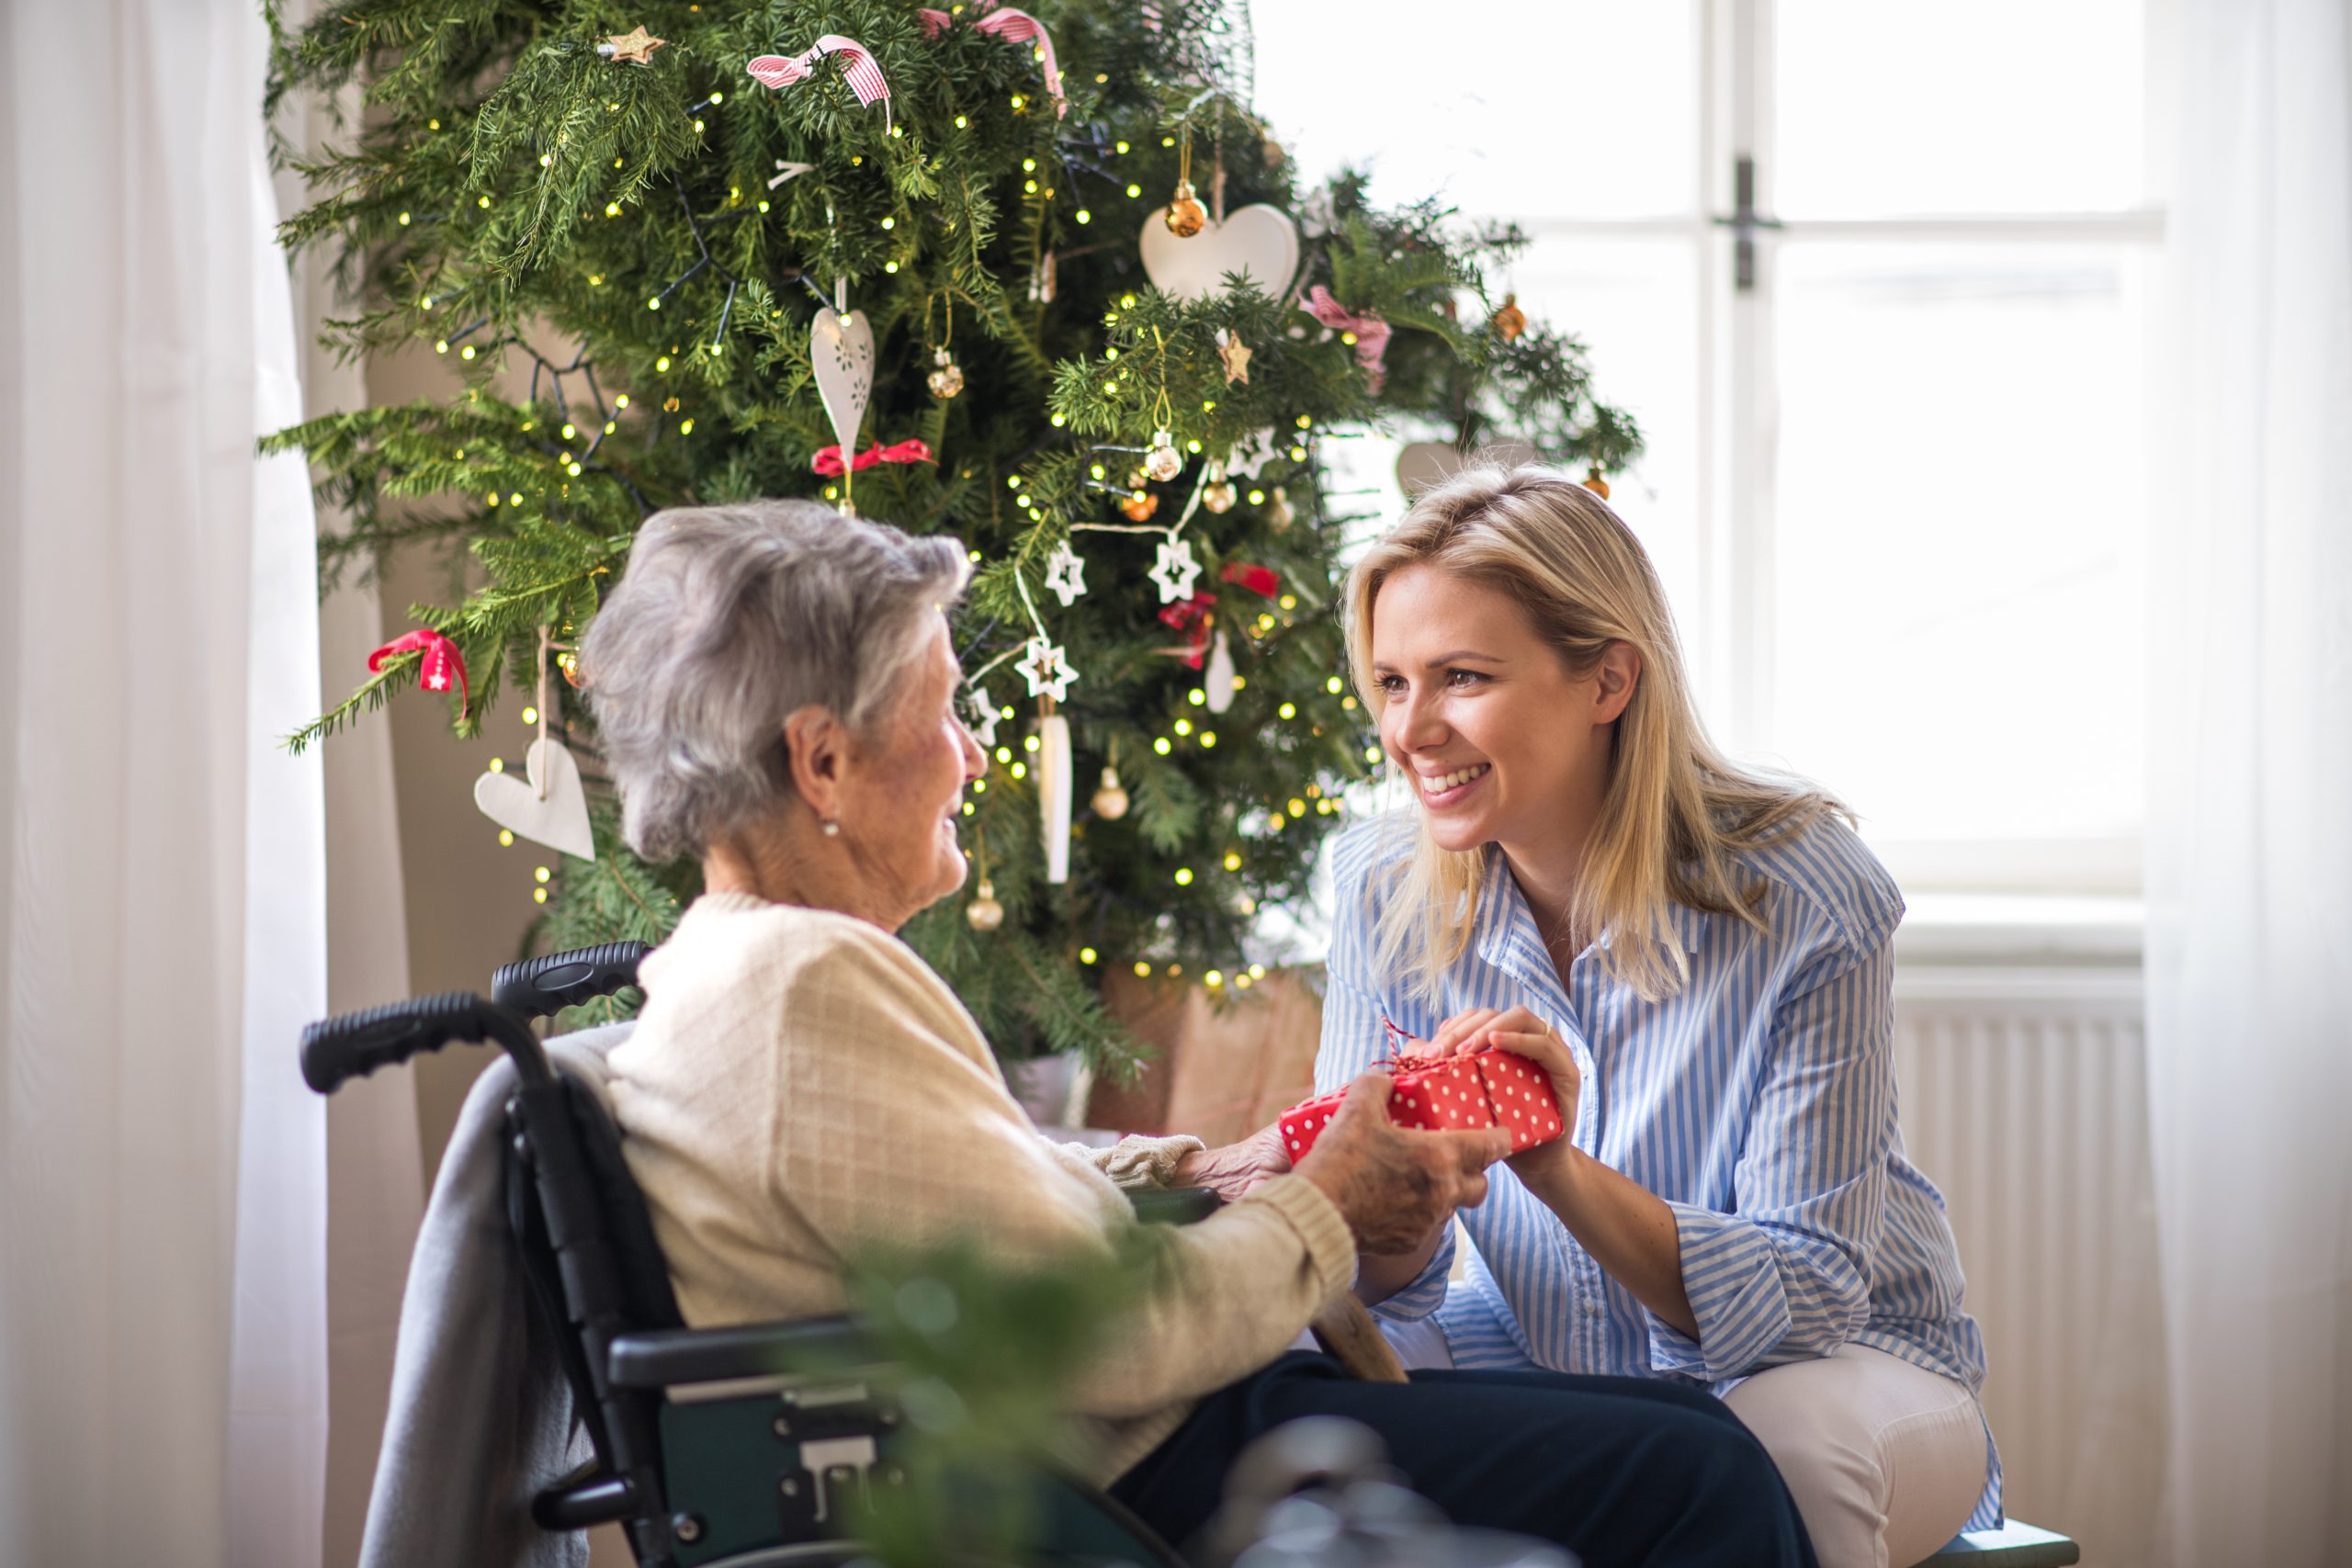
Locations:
(1591, 1307)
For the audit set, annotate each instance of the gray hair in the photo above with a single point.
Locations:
(729, 620)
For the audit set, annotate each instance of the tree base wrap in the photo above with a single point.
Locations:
(1479, 1088)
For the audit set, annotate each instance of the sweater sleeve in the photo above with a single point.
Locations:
(895, 1129)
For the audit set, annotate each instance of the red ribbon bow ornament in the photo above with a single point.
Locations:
(1372, 332)
(858, 68)
(1015, 26)
(827, 460)
(441, 664)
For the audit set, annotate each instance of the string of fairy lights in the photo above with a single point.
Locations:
(574, 437)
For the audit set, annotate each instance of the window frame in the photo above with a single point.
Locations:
(1732, 631)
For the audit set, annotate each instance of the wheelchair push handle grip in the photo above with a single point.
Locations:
(537, 987)
(352, 1045)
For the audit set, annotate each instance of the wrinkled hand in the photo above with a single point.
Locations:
(1230, 1172)
(1518, 1030)
(1394, 1185)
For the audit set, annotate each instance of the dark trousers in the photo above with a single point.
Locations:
(1621, 1471)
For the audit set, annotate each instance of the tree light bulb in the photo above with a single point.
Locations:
(1288, 710)
(539, 872)
(531, 716)
(1372, 753)
(403, 219)
(621, 402)
(506, 838)
(1087, 956)
(1232, 861)
(1084, 216)
(1208, 739)
(1213, 978)
(1183, 876)
(1161, 746)
(538, 894)
(1142, 970)
(1332, 685)
(466, 352)
(1134, 191)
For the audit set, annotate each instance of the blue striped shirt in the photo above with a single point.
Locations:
(1758, 1102)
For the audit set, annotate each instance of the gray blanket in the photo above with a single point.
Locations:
(481, 1417)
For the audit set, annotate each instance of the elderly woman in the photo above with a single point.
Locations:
(775, 688)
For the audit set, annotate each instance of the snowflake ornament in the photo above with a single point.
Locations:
(1066, 575)
(1254, 452)
(984, 716)
(1047, 672)
(1175, 571)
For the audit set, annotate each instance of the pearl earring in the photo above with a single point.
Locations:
(832, 828)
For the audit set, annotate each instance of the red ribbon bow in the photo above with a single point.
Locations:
(827, 460)
(858, 68)
(1190, 616)
(1372, 332)
(1259, 580)
(1015, 26)
(442, 663)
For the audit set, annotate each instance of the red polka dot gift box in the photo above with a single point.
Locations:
(1478, 1089)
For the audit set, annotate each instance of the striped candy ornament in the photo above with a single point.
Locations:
(858, 68)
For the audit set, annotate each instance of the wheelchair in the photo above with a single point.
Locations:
(709, 1452)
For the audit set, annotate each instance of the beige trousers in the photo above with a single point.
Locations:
(1886, 1459)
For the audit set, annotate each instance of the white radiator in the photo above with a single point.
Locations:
(2024, 1098)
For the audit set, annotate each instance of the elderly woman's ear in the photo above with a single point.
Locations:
(816, 747)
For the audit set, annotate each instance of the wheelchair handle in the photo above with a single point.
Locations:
(353, 1044)
(537, 987)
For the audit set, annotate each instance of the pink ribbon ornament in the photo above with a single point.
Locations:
(827, 460)
(858, 68)
(1372, 333)
(1013, 27)
(441, 662)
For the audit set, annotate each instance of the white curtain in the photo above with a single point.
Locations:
(2250, 869)
(163, 1323)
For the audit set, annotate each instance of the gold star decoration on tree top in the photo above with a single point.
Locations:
(636, 46)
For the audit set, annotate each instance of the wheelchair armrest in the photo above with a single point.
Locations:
(1173, 1205)
(669, 1357)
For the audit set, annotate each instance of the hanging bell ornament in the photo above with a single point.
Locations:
(1595, 483)
(1111, 799)
(984, 913)
(1219, 495)
(1510, 320)
(1279, 515)
(1163, 462)
(569, 663)
(946, 378)
(1139, 506)
(1185, 218)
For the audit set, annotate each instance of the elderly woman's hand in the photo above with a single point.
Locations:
(1230, 1172)
(1394, 1185)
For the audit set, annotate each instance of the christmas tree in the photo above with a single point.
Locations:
(1111, 336)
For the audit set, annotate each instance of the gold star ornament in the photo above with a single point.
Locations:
(1236, 356)
(636, 46)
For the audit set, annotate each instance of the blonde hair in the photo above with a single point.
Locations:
(1676, 808)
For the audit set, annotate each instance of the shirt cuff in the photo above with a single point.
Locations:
(1427, 1293)
(1732, 1275)
(1143, 1162)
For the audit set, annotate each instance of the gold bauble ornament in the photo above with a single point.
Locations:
(1163, 462)
(1185, 218)
(946, 378)
(984, 913)
(1111, 800)
(1278, 513)
(1218, 495)
(1510, 320)
(1595, 483)
(1139, 506)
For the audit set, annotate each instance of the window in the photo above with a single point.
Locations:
(1894, 395)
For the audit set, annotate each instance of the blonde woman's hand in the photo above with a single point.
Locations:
(1519, 1031)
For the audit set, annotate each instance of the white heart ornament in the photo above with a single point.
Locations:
(1261, 241)
(557, 818)
(841, 348)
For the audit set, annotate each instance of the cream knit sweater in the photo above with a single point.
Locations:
(800, 1083)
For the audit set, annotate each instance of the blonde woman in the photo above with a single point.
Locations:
(1701, 955)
